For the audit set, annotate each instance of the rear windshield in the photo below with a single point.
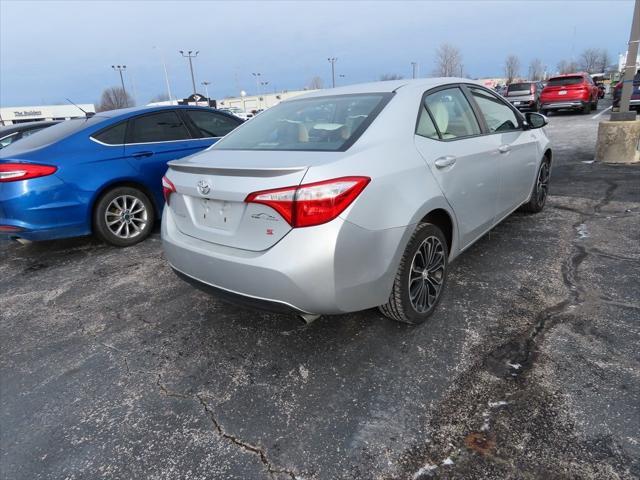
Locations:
(52, 134)
(519, 87)
(563, 81)
(314, 124)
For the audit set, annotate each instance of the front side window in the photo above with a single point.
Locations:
(452, 114)
(113, 135)
(158, 127)
(330, 123)
(498, 116)
(211, 124)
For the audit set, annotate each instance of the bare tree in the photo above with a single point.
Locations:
(161, 97)
(567, 67)
(448, 61)
(511, 68)
(589, 60)
(536, 69)
(114, 98)
(604, 60)
(315, 83)
(390, 76)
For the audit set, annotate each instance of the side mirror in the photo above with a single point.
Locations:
(536, 120)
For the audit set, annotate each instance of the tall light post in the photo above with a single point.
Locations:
(413, 69)
(120, 69)
(190, 54)
(206, 90)
(332, 61)
(257, 76)
(166, 74)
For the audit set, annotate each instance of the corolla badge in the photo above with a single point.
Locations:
(203, 187)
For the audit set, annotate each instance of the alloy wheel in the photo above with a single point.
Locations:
(542, 185)
(126, 216)
(427, 274)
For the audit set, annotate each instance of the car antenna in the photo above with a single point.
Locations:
(86, 114)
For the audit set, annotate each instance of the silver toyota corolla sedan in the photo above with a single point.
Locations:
(351, 198)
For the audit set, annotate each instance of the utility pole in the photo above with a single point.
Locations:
(630, 69)
(332, 61)
(191, 55)
(120, 69)
(206, 91)
(257, 76)
(413, 68)
(166, 74)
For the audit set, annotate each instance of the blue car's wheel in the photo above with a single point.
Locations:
(123, 216)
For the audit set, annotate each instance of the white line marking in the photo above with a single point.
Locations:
(598, 114)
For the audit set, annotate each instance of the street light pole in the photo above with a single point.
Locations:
(190, 56)
(257, 77)
(332, 61)
(166, 74)
(413, 67)
(120, 69)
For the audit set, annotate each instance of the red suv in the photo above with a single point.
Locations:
(574, 91)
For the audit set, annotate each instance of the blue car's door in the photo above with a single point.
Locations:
(155, 139)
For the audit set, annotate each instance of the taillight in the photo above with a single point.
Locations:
(313, 203)
(12, 172)
(167, 189)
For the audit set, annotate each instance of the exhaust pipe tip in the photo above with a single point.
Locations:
(309, 317)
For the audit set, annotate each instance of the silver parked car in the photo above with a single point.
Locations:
(355, 197)
(524, 95)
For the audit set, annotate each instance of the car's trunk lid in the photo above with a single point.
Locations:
(211, 188)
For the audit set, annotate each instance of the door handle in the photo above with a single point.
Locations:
(504, 148)
(445, 161)
(142, 154)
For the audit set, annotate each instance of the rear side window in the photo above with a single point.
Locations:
(113, 135)
(158, 127)
(211, 124)
(498, 116)
(426, 127)
(452, 114)
(564, 81)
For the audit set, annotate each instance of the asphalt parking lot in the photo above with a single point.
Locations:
(112, 367)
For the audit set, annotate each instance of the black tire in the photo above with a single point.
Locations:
(586, 109)
(433, 278)
(544, 112)
(536, 107)
(595, 104)
(540, 189)
(132, 215)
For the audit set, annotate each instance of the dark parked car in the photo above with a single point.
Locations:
(574, 91)
(635, 94)
(12, 133)
(524, 95)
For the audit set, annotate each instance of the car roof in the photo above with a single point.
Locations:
(19, 127)
(125, 112)
(576, 74)
(384, 87)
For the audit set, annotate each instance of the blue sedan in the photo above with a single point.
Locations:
(101, 174)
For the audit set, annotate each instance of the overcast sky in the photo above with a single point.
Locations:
(50, 50)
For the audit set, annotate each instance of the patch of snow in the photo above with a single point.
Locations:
(515, 366)
(499, 403)
(427, 469)
(588, 161)
(304, 373)
(447, 461)
(582, 231)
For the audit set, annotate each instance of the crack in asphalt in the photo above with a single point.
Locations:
(271, 468)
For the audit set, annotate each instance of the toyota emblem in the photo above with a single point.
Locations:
(203, 187)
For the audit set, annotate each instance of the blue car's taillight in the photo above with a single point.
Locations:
(12, 172)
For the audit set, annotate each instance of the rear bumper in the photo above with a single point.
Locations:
(563, 104)
(43, 208)
(333, 268)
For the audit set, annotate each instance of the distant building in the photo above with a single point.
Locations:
(249, 103)
(12, 115)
